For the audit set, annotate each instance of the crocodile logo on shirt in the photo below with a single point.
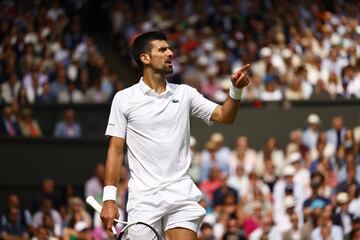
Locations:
(175, 101)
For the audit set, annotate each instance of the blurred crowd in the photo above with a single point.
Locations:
(299, 50)
(47, 58)
(307, 190)
(18, 122)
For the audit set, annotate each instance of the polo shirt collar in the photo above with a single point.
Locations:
(147, 90)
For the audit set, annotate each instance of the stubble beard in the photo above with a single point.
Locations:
(166, 70)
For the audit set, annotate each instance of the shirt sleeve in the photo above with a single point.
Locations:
(117, 123)
(201, 107)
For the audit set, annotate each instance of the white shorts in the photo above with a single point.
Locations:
(173, 206)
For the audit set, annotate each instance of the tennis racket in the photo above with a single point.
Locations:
(132, 231)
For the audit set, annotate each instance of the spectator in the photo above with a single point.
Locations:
(48, 192)
(240, 180)
(295, 144)
(243, 155)
(68, 128)
(320, 92)
(46, 97)
(9, 125)
(266, 230)
(47, 220)
(342, 216)
(255, 184)
(294, 91)
(24, 215)
(326, 228)
(214, 154)
(95, 94)
(252, 217)
(295, 230)
(10, 89)
(224, 189)
(302, 174)
(311, 134)
(206, 232)
(349, 171)
(233, 231)
(283, 187)
(272, 91)
(272, 153)
(94, 185)
(78, 222)
(71, 95)
(350, 82)
(354, 200)
(12, 228)
(269, 175)
(335, 135)
(213, 182)
(29, 126)
(357, 134)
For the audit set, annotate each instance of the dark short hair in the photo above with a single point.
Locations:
(142, 44)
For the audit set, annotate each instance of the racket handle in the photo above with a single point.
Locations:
(97, 207)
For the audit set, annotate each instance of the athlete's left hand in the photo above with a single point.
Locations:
(240, 78)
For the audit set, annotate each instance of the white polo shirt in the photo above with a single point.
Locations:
(157, 132)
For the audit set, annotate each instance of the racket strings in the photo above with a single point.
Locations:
(138, 231)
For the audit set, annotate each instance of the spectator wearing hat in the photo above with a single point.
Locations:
(215, 153)
(259, 67)
(342, 217)
(311, 134)
(302, 174)
(283, 187)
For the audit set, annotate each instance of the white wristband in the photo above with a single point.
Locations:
(109, 193)
(235, 93)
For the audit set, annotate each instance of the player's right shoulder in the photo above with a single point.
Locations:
(124, 94)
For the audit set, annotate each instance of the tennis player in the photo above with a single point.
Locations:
(152, 118)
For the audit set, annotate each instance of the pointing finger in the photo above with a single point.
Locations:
(240, 71)
(245, 68)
